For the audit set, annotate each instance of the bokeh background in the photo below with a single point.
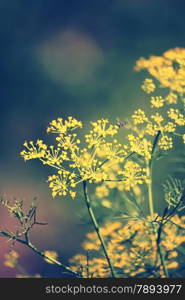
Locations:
(60, 58)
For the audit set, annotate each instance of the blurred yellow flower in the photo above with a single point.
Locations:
(11, 259)
(50, 255)
(132, 248)
(148, 86)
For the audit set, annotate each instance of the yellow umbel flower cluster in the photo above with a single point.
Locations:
(139, 117)
(73, 163)
(62, 127)
(176, 116)
(168, 69)
(120, 157)
(101, 129)
(101, 157)
(171, 98)
(157, 102)
(133, 175)
(148, 86)
(132, 248)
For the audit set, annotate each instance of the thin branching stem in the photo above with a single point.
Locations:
(27, 222)
(96, 227)
(27, 243)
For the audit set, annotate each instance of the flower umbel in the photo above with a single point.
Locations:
(117, 162)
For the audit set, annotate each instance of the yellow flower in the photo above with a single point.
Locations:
(106, 203)
(175, 54)
(183, 137)
(72, 194)
(169, 127)
(157, 118)
(151, 129)
(165, 142)
(162, 68)
(140, 145)
(139, 117)
(148, 86)
(173, 254)
(171, 98)
(27, 276)
(172, 265)
(133, 175)
(34, 151)
(11, 259)
(175, 115)
(89, 246)
(157, 102)
(132, 248)
(100, 156)
(101, 129)
(50, 254)
(102, 191)
(62, 183)
(61, 126)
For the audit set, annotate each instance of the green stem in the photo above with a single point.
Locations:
(149, 186)
(151, 209)
(159, 248)
(165, 271)
(149, 165)
(96, 227)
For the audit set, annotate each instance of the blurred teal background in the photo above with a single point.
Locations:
(60, 58)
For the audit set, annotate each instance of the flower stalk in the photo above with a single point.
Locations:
(97, 229)
(149, 186)
(149, 164)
